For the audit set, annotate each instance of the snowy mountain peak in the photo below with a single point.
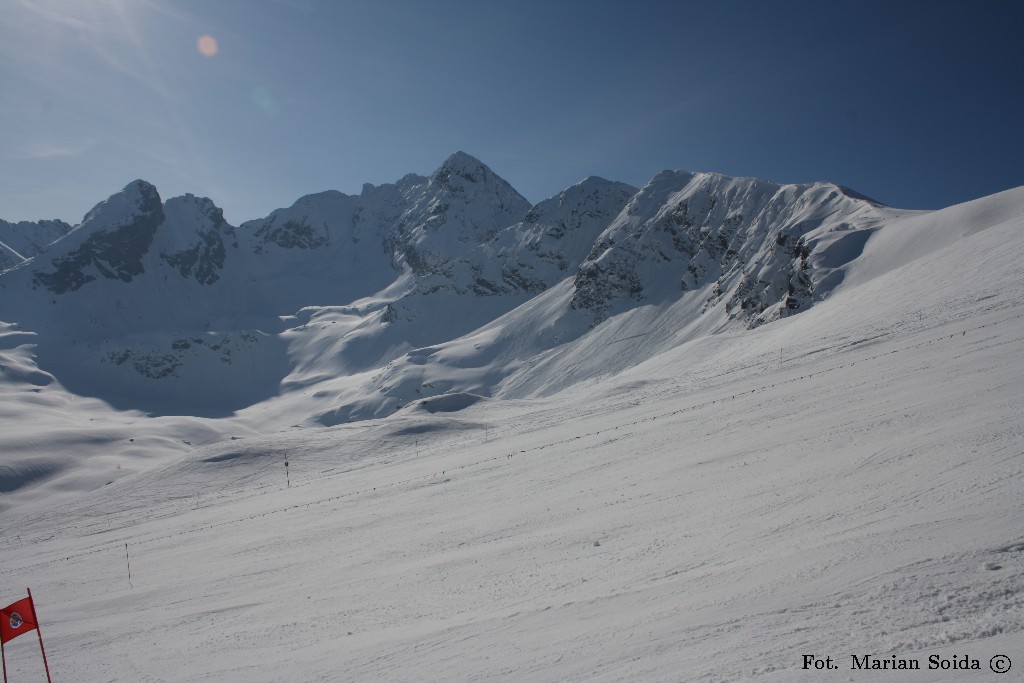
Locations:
(463, 205)
(853, 194)
(137, 196)
(462, 174)
(110, 243)
(203, 204)
(597, 181)
(464, 166)
(194, 238)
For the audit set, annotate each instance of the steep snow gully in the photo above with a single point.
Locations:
(709, 429)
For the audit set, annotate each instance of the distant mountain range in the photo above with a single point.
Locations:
(452, 284)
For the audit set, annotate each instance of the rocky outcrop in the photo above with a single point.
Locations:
(110, 243)
(746, 241)
(196, 238)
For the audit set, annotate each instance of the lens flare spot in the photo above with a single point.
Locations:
(207, 45)
(264, 102)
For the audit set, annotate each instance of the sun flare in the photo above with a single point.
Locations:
(207, 45)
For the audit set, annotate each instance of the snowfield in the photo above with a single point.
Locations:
(845, 481)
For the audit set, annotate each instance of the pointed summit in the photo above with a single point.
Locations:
(464, 166)
(464, 174)
(194, 238)
(465, 179)
(110, 242)
(137, 196)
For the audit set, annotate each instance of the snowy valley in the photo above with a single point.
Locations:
(689, 431)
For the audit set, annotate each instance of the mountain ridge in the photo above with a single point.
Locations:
(147, 297)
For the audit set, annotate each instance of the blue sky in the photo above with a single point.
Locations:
(917, 104)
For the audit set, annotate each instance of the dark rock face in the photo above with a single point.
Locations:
(292, 234)
(597, 284)
(204, 259)
(113, 252)
(515, 277)
(312, 222)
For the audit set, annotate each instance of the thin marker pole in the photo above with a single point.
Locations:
(129, 563)
(4, 658)
(287, 475)
(39, 632)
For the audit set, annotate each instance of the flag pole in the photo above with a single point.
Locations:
(39, 632)
(4, 658)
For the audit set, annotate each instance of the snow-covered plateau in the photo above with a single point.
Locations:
(710, 429)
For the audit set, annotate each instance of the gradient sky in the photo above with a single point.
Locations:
(917, 104)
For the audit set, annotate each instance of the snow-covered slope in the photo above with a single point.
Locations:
(846, 481)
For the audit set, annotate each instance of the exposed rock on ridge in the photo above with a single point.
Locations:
(750, 239)
(111, 241)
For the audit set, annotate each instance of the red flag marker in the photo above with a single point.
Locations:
(16, 619)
